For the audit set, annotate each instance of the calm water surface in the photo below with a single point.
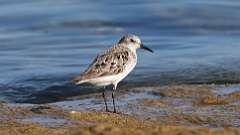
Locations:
(44, 44)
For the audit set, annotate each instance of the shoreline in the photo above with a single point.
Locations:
(175, 109)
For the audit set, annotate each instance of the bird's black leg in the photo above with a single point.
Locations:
(105, 101)
(113, 92)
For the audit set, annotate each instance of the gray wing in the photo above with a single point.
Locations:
(106, 64)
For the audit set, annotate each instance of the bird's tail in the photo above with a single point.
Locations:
(79, 80)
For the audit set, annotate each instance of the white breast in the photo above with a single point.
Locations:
(127, 70)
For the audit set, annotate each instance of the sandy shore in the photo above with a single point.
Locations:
(172, 110)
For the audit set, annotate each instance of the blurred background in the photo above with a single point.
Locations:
(44, 44)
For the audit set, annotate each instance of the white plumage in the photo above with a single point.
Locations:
(110, 67)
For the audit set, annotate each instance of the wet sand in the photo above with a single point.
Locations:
(172, 110)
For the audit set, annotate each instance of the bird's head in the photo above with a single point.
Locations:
(133, 42)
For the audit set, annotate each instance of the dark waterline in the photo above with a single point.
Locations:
(44, 44)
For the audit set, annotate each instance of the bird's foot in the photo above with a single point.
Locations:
(114, 111)
(108, 110)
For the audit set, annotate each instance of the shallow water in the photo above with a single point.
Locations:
(46, 121)
(180, 105)
(44, 44)
(96, 104)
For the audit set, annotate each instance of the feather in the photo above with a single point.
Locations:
(111, 62)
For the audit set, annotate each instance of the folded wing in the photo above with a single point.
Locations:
(109, 63)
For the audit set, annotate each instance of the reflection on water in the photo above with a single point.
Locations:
(44, 44)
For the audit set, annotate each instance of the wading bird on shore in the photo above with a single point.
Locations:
(110, 67)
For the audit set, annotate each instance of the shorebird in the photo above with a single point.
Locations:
(110, 67)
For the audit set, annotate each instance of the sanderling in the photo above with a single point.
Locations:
(110, 67)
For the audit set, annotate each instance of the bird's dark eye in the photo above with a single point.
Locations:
(132, 40)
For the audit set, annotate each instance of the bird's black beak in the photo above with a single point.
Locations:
(146, 48)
